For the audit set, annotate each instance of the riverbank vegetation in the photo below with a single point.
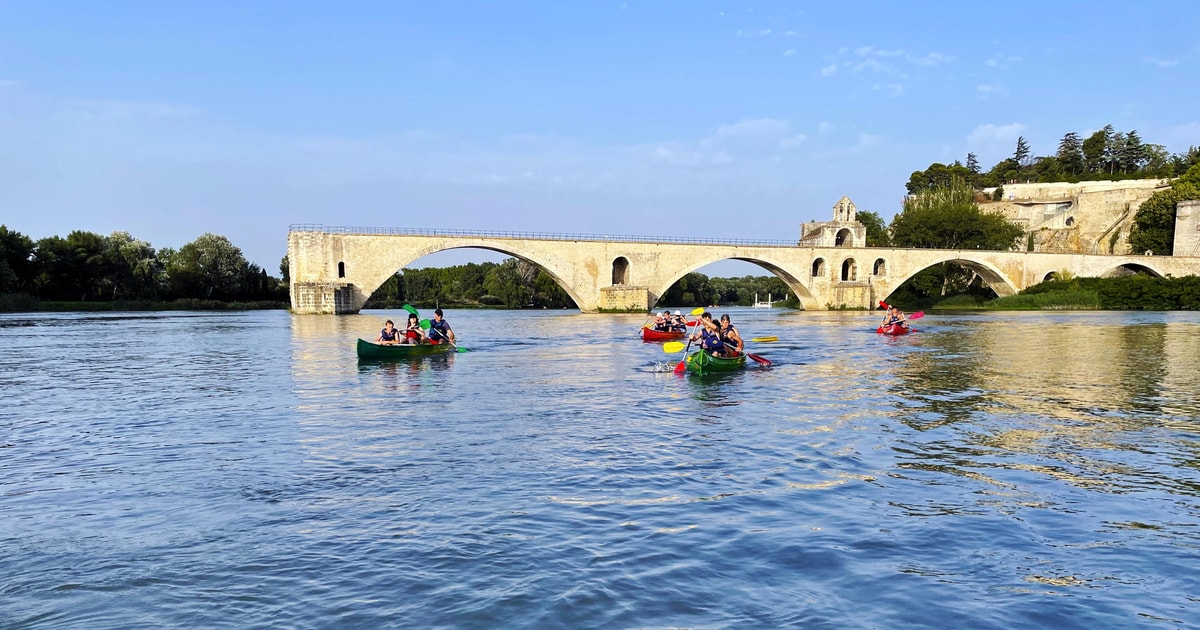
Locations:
(1132, 292)
(90, 272)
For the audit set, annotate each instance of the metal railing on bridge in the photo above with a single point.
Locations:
(539, 236)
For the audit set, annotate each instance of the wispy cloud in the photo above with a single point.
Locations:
(1002, 61)
(759, 33)
(872, 65)
(990, 141)
(792, 142)
(893, 89)
(989, 90)
(789, 52)
(931, 59)
(886, 61)
(1161, 63)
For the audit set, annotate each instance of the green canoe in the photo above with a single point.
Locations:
(374, 351)
(701, 362)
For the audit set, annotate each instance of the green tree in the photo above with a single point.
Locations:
(1021, 155)
(209, 267)
(1131, 153)
(1070, 154)
(504, 283)
(936, 175)
(972, 164)
(133, 267)
(16, 261)
(948, 218)
(1094, 148)
(1154, 224)
(877, 234)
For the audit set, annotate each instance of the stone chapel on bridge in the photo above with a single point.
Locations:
(843, 231)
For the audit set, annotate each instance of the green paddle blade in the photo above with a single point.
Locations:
(424, 323)
(410, 309)
(672, 347)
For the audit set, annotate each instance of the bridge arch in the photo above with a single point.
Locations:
(844, 238)
(849, 270)
(995, 279)
(389, 266)
(1130, 268)
(620, 270)
(799, 289)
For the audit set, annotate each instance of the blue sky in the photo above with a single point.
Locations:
(706, 119)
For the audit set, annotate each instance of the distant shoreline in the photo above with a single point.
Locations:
(25, 304)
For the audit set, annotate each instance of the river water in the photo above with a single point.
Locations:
(244, 470)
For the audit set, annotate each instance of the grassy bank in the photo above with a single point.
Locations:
(20, 303)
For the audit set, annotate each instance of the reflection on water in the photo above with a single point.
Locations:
(217, 469)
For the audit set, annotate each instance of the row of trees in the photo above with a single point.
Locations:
(512, 283)
(1105, 154)
(515, 283)
(86, 266)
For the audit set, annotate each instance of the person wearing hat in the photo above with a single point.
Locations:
(678, 323)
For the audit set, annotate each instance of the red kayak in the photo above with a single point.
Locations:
(894, 329)
(649, 334)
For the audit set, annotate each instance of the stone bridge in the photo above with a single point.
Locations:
(335, 269)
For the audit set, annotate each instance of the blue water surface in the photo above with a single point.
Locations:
(245, 470)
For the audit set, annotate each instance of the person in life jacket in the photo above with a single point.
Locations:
(662, 322)
(413, 333)
(678, 323)
(709, 335)
(389, 336)
(894, 316)
(439, 329)
(730, 338)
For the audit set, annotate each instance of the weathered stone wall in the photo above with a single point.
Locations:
(1083, 218)
(326, 298)
(625, 298)
(1187, 228)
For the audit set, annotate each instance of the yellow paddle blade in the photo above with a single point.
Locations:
(764, 339)
(672, 347)
(698, 311)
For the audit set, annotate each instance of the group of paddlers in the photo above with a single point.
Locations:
(666, 322)
(439, 331)
(718, 339)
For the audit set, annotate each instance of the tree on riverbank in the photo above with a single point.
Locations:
(88, 267)
(1154, 224)
(948, 217)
